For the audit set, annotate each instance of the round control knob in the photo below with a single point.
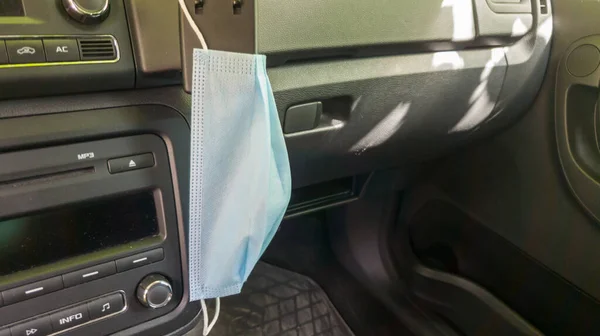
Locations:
(154, 291)
(87, 11)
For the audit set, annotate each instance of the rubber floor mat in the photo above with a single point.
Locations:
(276, 302)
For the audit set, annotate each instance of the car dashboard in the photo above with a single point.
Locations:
(95, 112)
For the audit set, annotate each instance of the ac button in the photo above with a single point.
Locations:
(61, 50)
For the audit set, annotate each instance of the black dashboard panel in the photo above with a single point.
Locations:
(384, 111)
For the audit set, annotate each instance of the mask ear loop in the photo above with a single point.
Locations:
(192, 24)
(207, 327)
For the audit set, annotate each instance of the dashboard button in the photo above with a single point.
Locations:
(3, 54)
(69, 318)
(89, 274)
(130, 163)
(140, 259)
(32, 290)
(105, 306)
(25, 51)
(38, 327)
(61, 50)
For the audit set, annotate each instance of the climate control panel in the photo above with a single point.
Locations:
(60, 50)
(64, 46)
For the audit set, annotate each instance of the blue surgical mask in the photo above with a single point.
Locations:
(240, 180)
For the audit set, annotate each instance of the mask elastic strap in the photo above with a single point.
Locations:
(207, 327)
(192, 24)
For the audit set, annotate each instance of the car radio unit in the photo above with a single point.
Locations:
(89, 237)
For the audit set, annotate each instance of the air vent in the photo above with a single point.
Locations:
(97, 49)
(543, 7)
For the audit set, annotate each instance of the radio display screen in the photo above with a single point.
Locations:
(11, 8)
(52, 235)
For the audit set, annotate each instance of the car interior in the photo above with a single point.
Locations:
(444, 156)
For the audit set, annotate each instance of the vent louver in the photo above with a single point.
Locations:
(97, 48)
(543, 7)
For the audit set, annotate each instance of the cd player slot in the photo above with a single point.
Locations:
(44, 178)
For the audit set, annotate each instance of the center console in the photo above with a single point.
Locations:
(91, 221)
(92, 235)
(91, 226)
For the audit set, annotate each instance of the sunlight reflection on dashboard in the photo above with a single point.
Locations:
(463, 20)
(481, 105)
(385, 129)
(451, 58)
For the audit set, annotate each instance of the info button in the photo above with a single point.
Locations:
(61, 50)
(69, 318)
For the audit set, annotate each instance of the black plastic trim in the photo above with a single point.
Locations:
(467, 305)
(575, 116)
